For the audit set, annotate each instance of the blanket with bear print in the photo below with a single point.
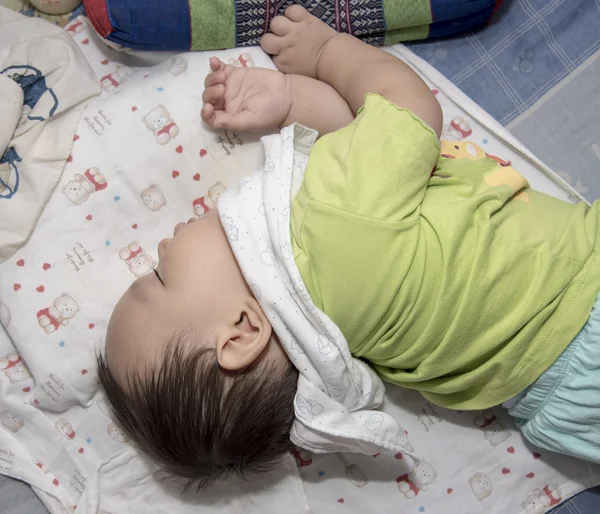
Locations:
(44, 84)
(141, 161)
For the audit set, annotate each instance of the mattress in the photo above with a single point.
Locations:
(67, 446)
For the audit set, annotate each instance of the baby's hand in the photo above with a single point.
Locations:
(247, 99)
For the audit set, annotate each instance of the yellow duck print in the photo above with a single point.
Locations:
(503, 175)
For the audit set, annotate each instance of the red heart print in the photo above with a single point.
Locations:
(197, 177)
(449, 490)
(510, 449)
(536, 455)
(175, 174)
(85, 41)
(80, 450)
(145, 76)
(76, 137)
(55, 481)
(398, 455)
(20, 262)
(530, 475)
(203, 152)
(36, 402)
(505, 471)
(40, 289)
(91, 325)
(83, 371)
(134, 108)
(70, 158)
(26, 389)
(46, 266)
(105, 61)
(134, 226)
(179, 149)
(89, 217)
(16, 287)
(340, 500)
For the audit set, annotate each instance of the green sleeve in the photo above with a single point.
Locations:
(377, 167)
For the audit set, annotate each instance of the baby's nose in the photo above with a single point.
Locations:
(178, 227)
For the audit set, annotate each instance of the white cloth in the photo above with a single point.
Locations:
(56, 431)
(335, 390)
(11, 107)
(44, 84)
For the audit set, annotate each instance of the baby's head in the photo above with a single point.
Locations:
(192, 369)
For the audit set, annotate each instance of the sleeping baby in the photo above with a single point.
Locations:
(371, 253)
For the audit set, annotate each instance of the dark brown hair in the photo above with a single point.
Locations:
(201, 422)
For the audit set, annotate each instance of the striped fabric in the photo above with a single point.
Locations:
(214, 24)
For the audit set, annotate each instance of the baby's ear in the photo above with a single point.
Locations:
(243, 340)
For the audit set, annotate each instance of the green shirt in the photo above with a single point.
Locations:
(465, 285)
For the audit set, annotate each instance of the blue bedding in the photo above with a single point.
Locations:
(536, 69)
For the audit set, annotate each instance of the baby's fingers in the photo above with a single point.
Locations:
(214, 78)
(216, 64)
(208, 114)
(244, 121)
(214, 95)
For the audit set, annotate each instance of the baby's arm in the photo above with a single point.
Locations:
(303, 44)
(317, 105)
(262, 99)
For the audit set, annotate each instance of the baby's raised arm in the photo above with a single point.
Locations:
(302, 44)
(261, 99)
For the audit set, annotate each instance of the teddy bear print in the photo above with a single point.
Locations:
(63, 309)
(356, 476)
(208, 202)
(417, 480)
(40, 465)
(374, 422)
(230, 229)
(116, 433)
(481, 486)
(286, 251)
(308, 408)
(11, 420)
(269, 164)
(494, 430)
(178, 66)
(75, 27)
(303, 457)
(542, 499)
(153, 198)
(113, 80)
(300, 162)
(295, 346)
(81, 187)
(242, 61)
(458, 129)
(65, 428)
(137, 259)
(4, 315)
(268, 258)
(14, 368)
(324, 345)
(159, 121)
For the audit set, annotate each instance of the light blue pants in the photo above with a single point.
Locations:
(561, 410)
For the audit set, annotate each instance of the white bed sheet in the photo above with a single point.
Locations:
(55, 428)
